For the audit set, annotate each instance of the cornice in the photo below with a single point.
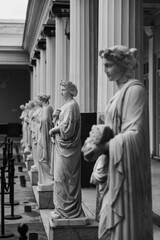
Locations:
(37, 15)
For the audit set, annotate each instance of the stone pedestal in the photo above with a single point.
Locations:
(82, 221)
(45, 196)
(73, 232)
(34, 177)
(29, 163)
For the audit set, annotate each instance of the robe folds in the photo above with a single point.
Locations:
(67, 162)
(35, 126)
(44, 146)
(126, 209)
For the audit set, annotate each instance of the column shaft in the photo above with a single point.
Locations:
(38, 77)
(62, 58)
(43, 71)
(50, 69)
(83, 51)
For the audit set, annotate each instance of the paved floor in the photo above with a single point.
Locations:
(37, 220)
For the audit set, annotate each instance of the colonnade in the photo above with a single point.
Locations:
(71, 49)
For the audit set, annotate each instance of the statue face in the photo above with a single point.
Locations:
(65, 93)
(39, 102)
(114, 72)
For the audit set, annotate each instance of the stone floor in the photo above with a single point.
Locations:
(37, 220)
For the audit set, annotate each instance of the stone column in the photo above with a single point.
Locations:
(31, 81)
(38, 77)
(120, 23)
(62, 58)
(49, 32)
(33, 65)
(36, 57)
(83, 52)
(41, 45)
(43, 72)
(34, 82)
(149, 30)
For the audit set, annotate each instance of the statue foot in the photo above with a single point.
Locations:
(55, 215)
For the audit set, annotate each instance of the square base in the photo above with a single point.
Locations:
(29, 163)
(45, 198)
(89, 232)
(34, 178)
(81, 221)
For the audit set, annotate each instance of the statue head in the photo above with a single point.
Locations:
(43, 98)
(122, 56)
(70, 86)
(31, 104)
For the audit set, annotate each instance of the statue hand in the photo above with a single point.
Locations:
(56, 112)
(51, 132)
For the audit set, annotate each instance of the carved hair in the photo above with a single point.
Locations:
(122, 56)
(71, 87)
(44, 97)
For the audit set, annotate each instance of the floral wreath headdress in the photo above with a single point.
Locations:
(44, 97)
(70, 86)
(121, 55)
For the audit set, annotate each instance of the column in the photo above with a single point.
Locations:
(33, 65)
(34, 82)
(31, 81)
(62, 58)
(120, 23)
(38, 77)
(149, 30)
(41, 45)
(49, 32)
(36, 57)
(84, 52)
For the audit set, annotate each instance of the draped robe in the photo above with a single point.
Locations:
(44, 146)
(126, 209)
(35, 126)
(67, 162)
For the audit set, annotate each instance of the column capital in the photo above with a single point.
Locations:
(149, 30)
(60, 9)
(36, 54)
(48, 30)
(33, 62)
(41, 44)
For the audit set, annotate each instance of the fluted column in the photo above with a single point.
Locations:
(62, 58)
(31, 83)
(120, 23)
(38, 77)
(83, 51)
(34, 82)
(50, 69)
(43, 71)
(150, 30)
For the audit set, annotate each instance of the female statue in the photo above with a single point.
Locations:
(44, 145)
(123, 169)
(67, 156)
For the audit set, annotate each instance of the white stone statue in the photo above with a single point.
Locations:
(35, 129)
(67, 156)
(44, 144)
